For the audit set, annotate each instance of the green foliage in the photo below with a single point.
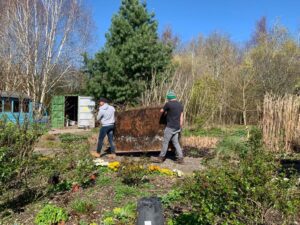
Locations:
(231, 144)
(240, 190)
(103, 181)
(72, 138)
(132, 54)
(82, 206)
(186, 219)
(124, 191)
(16, 147)
(255, 139)
(74, 164)
(133, 172)
(62, 186)
(50, 215)
(124, 215)
(204, 101)
(174, 195)
(225, 131)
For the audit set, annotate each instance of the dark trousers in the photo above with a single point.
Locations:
(109, 131)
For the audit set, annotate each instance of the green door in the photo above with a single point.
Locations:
(58, 111)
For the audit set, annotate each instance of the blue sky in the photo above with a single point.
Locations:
(189, 18)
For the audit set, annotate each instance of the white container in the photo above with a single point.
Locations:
(86, 106)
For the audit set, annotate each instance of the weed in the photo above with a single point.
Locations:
(71, 138)
(124, 191)
(103, 181)
(82, 206)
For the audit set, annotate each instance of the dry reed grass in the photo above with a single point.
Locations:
(200, 142)
(281, 122)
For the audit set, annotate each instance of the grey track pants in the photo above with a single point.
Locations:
(171, 135)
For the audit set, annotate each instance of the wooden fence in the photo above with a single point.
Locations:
(281, 122)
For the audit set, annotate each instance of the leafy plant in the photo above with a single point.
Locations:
(62, 186)
(123, 215)
(174, 195)
(50, 215)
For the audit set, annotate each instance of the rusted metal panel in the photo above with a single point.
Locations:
(139, 130)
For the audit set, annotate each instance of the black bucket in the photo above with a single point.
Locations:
(150, 212)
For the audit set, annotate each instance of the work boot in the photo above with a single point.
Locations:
(179, 161)
(158, 159)
(112, 156)
(95, 154)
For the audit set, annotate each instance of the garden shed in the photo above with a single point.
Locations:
(15, 107)
(72, 110)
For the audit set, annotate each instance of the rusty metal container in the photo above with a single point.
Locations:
(139, 130)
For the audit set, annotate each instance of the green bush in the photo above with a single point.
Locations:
(16, 147)
(51, 215)
(241, 191)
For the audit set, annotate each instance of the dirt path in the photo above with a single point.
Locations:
(43, 147)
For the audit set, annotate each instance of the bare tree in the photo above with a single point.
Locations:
(45, 38)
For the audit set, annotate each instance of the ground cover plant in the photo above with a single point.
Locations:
(51, 214)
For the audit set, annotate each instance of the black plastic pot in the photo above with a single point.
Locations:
(150, 212)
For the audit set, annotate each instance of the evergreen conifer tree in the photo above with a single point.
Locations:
(131, 55)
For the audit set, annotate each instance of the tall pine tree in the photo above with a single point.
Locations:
(132, 54)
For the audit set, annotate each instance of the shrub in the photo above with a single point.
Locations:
(16, 147)
(76, 164)
(244, 192)
(133, 172)
(50, 214)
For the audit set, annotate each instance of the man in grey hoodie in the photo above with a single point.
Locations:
(106, 115)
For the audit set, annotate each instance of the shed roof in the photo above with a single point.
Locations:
(13, 94)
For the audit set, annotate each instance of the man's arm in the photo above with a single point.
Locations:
(181, 120)
(165, 108)
(99, 116)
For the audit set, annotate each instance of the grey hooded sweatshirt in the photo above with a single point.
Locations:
(106, 115)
